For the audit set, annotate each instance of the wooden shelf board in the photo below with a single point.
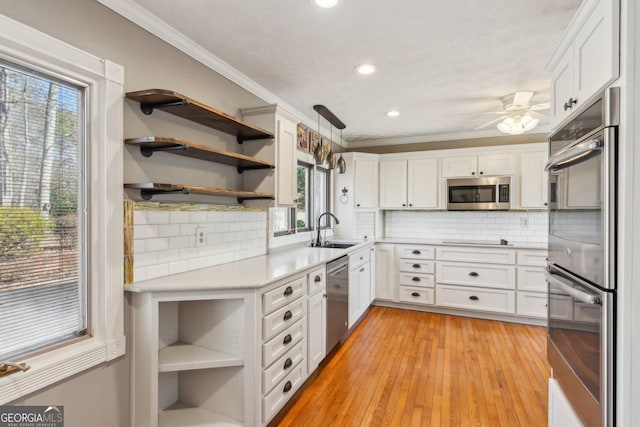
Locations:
(195, 111)
(159, 188)
(182, 357)
(198, 151)
(192, 417)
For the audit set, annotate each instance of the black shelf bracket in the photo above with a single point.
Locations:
(240, 139)
(148, 151)
(242, 199)
(241, 169)
(147, 194)
(148, 108)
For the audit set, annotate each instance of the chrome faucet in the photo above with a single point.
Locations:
(318, 243)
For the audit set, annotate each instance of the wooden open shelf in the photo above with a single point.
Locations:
(148, 190)
(150, 144)
(190, 109)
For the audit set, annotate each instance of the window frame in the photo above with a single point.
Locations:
(103, 81)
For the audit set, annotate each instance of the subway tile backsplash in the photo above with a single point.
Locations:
(164, 238)
(486, 225)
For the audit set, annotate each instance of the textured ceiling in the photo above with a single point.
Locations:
(444, 64)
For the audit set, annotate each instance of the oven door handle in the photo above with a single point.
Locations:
(576, 154)
(582, 296)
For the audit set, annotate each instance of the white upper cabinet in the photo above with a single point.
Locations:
(409, 183)
(366, 183)
(482, 165)
(282, 151)
(587, 59)
(533, 180)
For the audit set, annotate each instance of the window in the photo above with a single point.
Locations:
(56, 101)
(321, 195)
(303, 222)
(283, 221)
(42, 253)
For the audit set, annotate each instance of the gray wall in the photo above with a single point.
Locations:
(100, 397)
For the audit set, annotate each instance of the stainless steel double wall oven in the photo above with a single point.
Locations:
(582, 257)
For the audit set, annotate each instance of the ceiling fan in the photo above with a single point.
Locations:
(519, 116)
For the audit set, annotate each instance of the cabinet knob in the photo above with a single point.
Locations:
(287, 315)
(473, 173)
(317, 279)
(416, 265)
(410, 204)
(288, 291)
(287, 387)
(362, 270)
(415, 279)
(474, 298)
(287, 339)
(569, 103)
(288, 363)
(481, 173)
(546, 204)
(415, 294)
(404, 204)
(416, 252)
(474, 274)
(357, 205)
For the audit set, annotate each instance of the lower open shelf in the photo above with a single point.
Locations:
(178, 357)
(181, 415)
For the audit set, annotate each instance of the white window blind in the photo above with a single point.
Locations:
(42, 285)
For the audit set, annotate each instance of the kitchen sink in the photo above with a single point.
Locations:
(335, 245)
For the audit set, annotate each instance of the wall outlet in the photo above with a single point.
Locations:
(524, 222)
(201, 236)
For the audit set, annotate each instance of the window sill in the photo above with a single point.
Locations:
(56, 365)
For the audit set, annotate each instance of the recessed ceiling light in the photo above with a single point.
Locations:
(393, 113)
(365, 69)
(326, 4)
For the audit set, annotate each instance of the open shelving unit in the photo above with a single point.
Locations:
(195, 111)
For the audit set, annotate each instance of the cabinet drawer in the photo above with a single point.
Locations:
(488, 255)
(359, 258)
(497, 300)
(533, 258)
(415, 252)
(276, 372)
(283, 295)
(416, 279)
(281, 343)
(317, 281)
(275, 400)
(532, 304)
(416, 295)
(493, 276)
(531, 279)
(281, 318)
(416, 266)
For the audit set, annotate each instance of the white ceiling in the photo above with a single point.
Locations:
(444, 64)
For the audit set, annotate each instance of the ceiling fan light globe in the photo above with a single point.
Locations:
(503, 127)
(530, 124)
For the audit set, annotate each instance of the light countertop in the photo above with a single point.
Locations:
(254, 272)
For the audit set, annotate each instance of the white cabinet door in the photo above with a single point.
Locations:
(286, 163)
(533, 180)
(393, 183)
(316, 337)
(365, 287)
(423, 183)
(354, 296)
(596, 50)
(459, 166)
(562, 88)
(385, 272)
(497, 164)
(366, 183)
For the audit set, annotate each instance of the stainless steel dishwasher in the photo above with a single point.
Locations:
(337, 300)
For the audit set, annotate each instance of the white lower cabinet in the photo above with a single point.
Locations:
(192, 358)
(415, 267)
(385, 271)
(359, 284)
(284, 344)
(532, 286)
(316, 319)
(484, 299)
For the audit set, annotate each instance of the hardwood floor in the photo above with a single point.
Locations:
(409, 368)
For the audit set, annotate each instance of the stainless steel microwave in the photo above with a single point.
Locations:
(488, 193)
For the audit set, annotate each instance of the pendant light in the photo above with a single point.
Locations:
(331, 157)
(342, 164)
